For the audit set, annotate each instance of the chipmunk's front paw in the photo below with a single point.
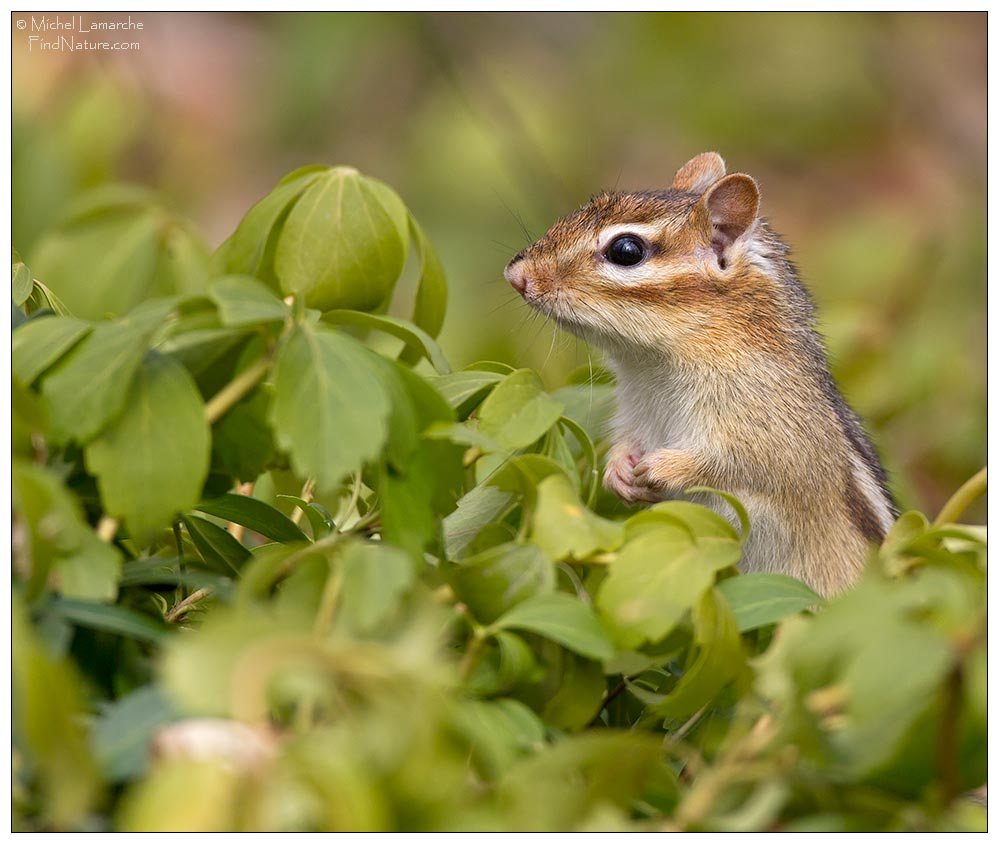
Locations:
(620, 477)
(667, 470)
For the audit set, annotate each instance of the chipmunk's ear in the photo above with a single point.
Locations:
(732, 205)
(700, 173)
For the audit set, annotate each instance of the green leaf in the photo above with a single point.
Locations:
(48, 712)
(242, 441)
(759, 599)
(421, 478)
(88, 388)
(116, 249)
(590, 404)
(563, 527)
(375, 579)
(492, 582)
(123, 732)
(254, 514)
(578, 696)
(592, 485)
(53, 519)
(415, 338)
(330, 410)
(504, 662)
(17, 317)
(907, 527)
(103, 264)
(467, 434)
(250, 248)
(734, 503)
(463, 390)
(28, 417)
(657, 578)
(219, 548)
(561, 785)
(58, 539)
(21, 283)
(890, 687)
(563, 619)
(91, 572)
(699, 520)
(882, 649)
(111, 618)
(407, 514)
(499, 732)
(344, 243)
(161, 571)
(40, 342)
(431, 295)
(242, 300)
(554, 445)
(719, 661)
(320, 519)
(259, 575)
(518, 411)
(479, 507)
(523, 475)
(228, 667)
(415, 406)
(516, 660)
(152, 461)
(201, 349)
(42, 298)
(759, 811)
(182, 262)
(491, 366)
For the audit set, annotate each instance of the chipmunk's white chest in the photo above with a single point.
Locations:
(658, 407)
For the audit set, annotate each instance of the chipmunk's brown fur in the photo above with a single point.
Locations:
(722, 380)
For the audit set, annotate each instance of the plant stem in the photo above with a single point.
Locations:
(960, 500)
(471, 656)
(328, 602)
(948, 762)
(235, 529)
(319, 546)
(369, 518)
(181, 588)
(308, 490)
(223, 401)
(179, 609)
(355, 495)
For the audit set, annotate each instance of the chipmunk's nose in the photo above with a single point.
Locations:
(516, 274)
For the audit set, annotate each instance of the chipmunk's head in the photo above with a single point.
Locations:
(645, 268)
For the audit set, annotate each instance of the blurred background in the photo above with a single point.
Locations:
(867, 133)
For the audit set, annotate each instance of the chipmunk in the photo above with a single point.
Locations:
(721, 378)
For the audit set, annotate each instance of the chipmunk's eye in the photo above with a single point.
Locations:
(626, 250)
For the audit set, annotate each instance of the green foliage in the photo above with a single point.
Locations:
(151, 462)
(338, 240)
(268, 575)
(330, 410)
(127, 247)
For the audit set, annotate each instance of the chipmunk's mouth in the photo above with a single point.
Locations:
(550, 301)
(546, 296)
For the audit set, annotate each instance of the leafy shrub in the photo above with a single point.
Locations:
(277, 566)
